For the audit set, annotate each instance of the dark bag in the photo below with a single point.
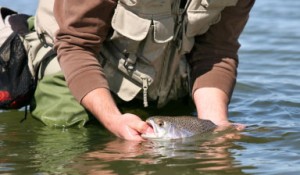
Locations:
(17, 82)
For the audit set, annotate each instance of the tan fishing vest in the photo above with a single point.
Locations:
(45, 25)
(145, 55)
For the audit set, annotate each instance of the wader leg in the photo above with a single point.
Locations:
(53, 104)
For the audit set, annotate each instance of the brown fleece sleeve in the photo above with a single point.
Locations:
(214, 58)
(83, 26)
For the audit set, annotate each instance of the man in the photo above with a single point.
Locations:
(143, 48)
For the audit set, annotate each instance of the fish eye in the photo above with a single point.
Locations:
(161, 123)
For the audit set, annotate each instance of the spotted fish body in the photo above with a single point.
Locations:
(177, 127)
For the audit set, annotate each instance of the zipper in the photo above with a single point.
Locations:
(145, 91)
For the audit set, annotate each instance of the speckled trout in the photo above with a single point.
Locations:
(166, 127)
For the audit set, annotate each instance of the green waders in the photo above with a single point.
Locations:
(53, 104)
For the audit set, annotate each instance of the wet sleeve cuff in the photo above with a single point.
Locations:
(82, 72)
(221, 75)
(85, 82)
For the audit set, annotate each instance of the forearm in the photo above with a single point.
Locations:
(101, 104)
(212, 104)
(213, 88)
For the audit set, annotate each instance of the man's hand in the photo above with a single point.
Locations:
(127, 126)
(212, 104)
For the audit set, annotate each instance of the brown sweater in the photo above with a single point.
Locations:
(84, 26)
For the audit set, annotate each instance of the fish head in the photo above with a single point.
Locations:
(160, 128)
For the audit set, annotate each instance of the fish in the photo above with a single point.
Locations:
(176, 127)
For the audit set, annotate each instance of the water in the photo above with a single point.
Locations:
(266, 99)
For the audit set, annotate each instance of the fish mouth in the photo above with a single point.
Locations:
(150, 123)
(157, 134)
(150, 135)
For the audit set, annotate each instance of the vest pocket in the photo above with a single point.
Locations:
(126, 84)
(201, 15)
(129, 24)
(135, 47)
(134, 25)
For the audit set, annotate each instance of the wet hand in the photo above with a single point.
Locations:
(224, 125)
(130, 127)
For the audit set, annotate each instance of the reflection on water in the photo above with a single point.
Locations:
(211, 154)
(266, 99)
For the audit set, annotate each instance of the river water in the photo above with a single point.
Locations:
(266, 99)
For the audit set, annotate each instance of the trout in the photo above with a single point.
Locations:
(167, 127)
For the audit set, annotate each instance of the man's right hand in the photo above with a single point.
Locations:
(127, 126)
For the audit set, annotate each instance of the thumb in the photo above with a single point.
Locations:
(142, 127)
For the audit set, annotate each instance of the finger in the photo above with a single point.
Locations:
(234, 126)
(238, 126)
(141, 127)
(133, 135)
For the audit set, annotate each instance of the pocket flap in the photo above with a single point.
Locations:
(119, 84)
(163, 30)
(128, 90)
(129, 24)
